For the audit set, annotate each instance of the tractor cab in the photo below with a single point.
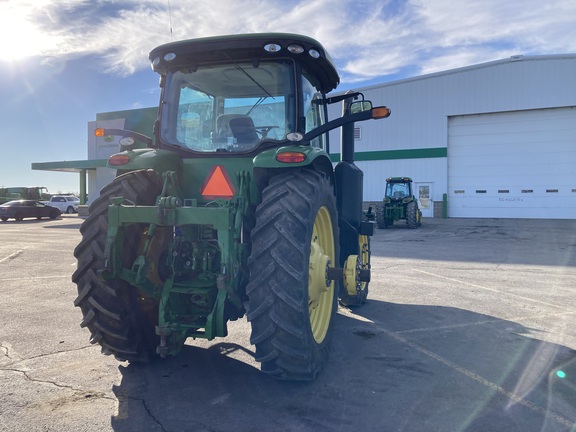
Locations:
(398, 188)
(241, 94)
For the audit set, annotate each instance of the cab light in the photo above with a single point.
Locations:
(218, 184)
(314, 53)
(169, 56)
(295, 49)
(381, 112)
(291, 157)
(272, 47)
(119, 159)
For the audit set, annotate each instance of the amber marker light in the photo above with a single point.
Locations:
(291, 157)
(380, 112)
(118, 159)
(99, 132)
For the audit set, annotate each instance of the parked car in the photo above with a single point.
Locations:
(21, 209)
(66, 203)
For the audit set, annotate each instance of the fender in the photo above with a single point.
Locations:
(146, 158)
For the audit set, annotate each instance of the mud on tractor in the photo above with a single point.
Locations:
(399, 203)
(232, 208)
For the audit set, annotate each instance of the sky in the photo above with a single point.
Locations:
(64, 61)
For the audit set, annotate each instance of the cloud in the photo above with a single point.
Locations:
(367, 38)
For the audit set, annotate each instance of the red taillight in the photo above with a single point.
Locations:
(291, 157)
(118, 159)
(218, 184)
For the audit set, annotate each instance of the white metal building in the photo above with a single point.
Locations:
(498, 138)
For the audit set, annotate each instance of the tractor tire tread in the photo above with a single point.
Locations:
(111, 309)
(278, 298)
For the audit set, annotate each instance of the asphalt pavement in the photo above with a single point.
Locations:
(469, 327)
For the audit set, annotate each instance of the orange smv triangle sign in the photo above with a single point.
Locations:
(218, 184)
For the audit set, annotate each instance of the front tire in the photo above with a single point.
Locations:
(364, 264)
(113, 311)
(291, 306)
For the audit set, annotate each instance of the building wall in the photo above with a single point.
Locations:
(422, 106)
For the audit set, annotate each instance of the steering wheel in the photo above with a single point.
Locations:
(263, 130)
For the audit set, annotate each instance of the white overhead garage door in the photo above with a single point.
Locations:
(518, 164)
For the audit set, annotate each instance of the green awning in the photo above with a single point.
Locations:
(70, 166)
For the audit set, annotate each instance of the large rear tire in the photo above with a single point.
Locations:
(412, 215)
(116, 315)
(380, 216)
(291, 304)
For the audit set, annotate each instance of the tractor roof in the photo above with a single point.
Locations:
(248, 47)
(399, 180)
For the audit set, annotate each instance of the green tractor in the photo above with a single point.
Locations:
(29, 193)
(399, 203)
(232, 208)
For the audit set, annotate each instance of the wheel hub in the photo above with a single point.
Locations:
(318, 282)
(352, 267)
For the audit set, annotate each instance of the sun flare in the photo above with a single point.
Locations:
(19, 38)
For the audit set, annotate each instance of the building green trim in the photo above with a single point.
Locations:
(423, 153)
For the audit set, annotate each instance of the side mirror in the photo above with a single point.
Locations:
(360, 106)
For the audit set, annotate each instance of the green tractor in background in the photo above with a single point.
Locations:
(399, 203)
(29, 193)
(232, 208)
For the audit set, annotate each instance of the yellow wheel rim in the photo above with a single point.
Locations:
(321, 290)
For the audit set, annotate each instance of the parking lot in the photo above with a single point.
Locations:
(469, 327)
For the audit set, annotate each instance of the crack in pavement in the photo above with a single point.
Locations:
(6, 351)
(16, 361)
(83, 393)
(123, 398)
(79, 395)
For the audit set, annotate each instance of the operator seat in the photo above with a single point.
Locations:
(243, 130)
(238, 126)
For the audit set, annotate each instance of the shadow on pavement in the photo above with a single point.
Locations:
(393, 367)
